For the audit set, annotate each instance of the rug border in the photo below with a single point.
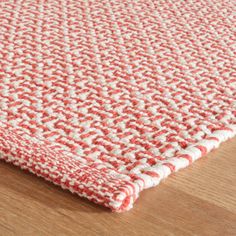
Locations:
(72, 174)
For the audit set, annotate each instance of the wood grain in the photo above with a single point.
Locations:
(200, 200)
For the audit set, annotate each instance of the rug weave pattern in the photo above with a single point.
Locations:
(106, 98)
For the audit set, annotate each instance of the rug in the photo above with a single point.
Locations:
(107, 97)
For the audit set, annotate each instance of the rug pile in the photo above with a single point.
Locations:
(108, 97)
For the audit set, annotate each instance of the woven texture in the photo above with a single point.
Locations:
(108, 97)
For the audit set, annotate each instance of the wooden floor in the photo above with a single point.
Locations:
(200, 200)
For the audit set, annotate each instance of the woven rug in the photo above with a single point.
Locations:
(108, 97)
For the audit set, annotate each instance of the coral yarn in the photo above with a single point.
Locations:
(108, 97)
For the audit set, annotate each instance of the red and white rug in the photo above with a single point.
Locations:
(108, 97)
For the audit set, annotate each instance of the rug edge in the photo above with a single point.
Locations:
(40, 160)
(105, 187)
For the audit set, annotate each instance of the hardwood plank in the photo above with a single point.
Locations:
(200, 200)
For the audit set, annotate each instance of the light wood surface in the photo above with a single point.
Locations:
(200, 200)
